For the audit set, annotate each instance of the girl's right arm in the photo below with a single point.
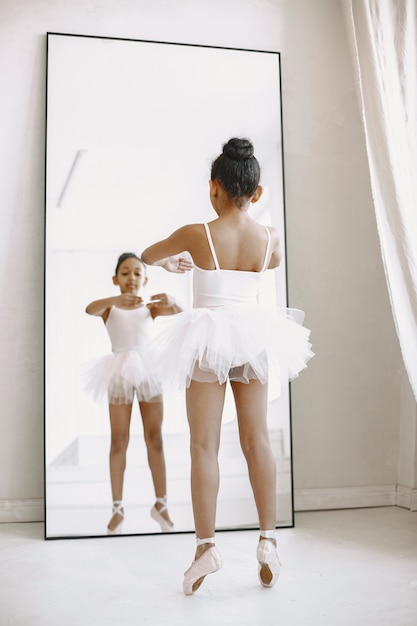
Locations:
(99, 307)
(276, 254)
(173, 253)
(102, 307)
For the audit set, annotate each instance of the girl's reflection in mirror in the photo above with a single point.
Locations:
(128, 372)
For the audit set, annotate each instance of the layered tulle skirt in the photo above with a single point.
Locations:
(231, 343)
(118, 377)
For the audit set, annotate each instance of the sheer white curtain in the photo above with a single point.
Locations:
(384, 42)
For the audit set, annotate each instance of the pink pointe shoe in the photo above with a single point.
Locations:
(156, 514)
(115, 527)
(208, 563)
(269, 564)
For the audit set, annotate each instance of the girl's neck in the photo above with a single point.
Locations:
(233, 211)
(235, 218)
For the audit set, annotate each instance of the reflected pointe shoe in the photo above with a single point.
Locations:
(114, 526)
(269, 564)
(208, 563)
(156, 514)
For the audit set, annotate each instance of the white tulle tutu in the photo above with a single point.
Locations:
(117, 377)
(231, 343)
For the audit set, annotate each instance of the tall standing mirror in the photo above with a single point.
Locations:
(132, 128)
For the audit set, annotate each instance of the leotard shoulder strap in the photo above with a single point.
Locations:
(268, 246)
(212, 250)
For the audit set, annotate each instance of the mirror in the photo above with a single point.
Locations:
(132, 128)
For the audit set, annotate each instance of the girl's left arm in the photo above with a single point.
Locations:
(164, 305)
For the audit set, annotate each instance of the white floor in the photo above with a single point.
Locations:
(340, 568)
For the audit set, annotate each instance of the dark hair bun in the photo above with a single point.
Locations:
(238, 149)
(237, 170)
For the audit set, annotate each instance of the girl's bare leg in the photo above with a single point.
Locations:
(152, 417)
(120, 425)
(204, 411)
(251, 406)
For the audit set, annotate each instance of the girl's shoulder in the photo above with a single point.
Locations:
(274, 233)
(191, 228)
(188, 233)
(275, 237)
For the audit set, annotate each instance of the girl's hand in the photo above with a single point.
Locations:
(163, 304)
(128, 301)
(179, 264)
(160, 300)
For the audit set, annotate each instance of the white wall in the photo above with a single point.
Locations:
(347, 405)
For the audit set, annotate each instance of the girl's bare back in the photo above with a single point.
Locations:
(240, 245)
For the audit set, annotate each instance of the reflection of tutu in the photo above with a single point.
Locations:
(116, 377)
(232, 342)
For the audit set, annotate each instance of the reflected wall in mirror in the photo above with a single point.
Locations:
(132, 128)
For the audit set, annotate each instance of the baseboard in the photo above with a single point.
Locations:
(344, 498)
(406, 498)
(22, 510)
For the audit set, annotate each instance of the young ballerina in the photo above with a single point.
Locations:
(131, 370)
(228, 336)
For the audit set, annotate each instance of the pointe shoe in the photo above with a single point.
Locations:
(117, 510)
(269, 564)
(208, 563)
(165, 525)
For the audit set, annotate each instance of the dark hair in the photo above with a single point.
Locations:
(237, 169)
(128, 255)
